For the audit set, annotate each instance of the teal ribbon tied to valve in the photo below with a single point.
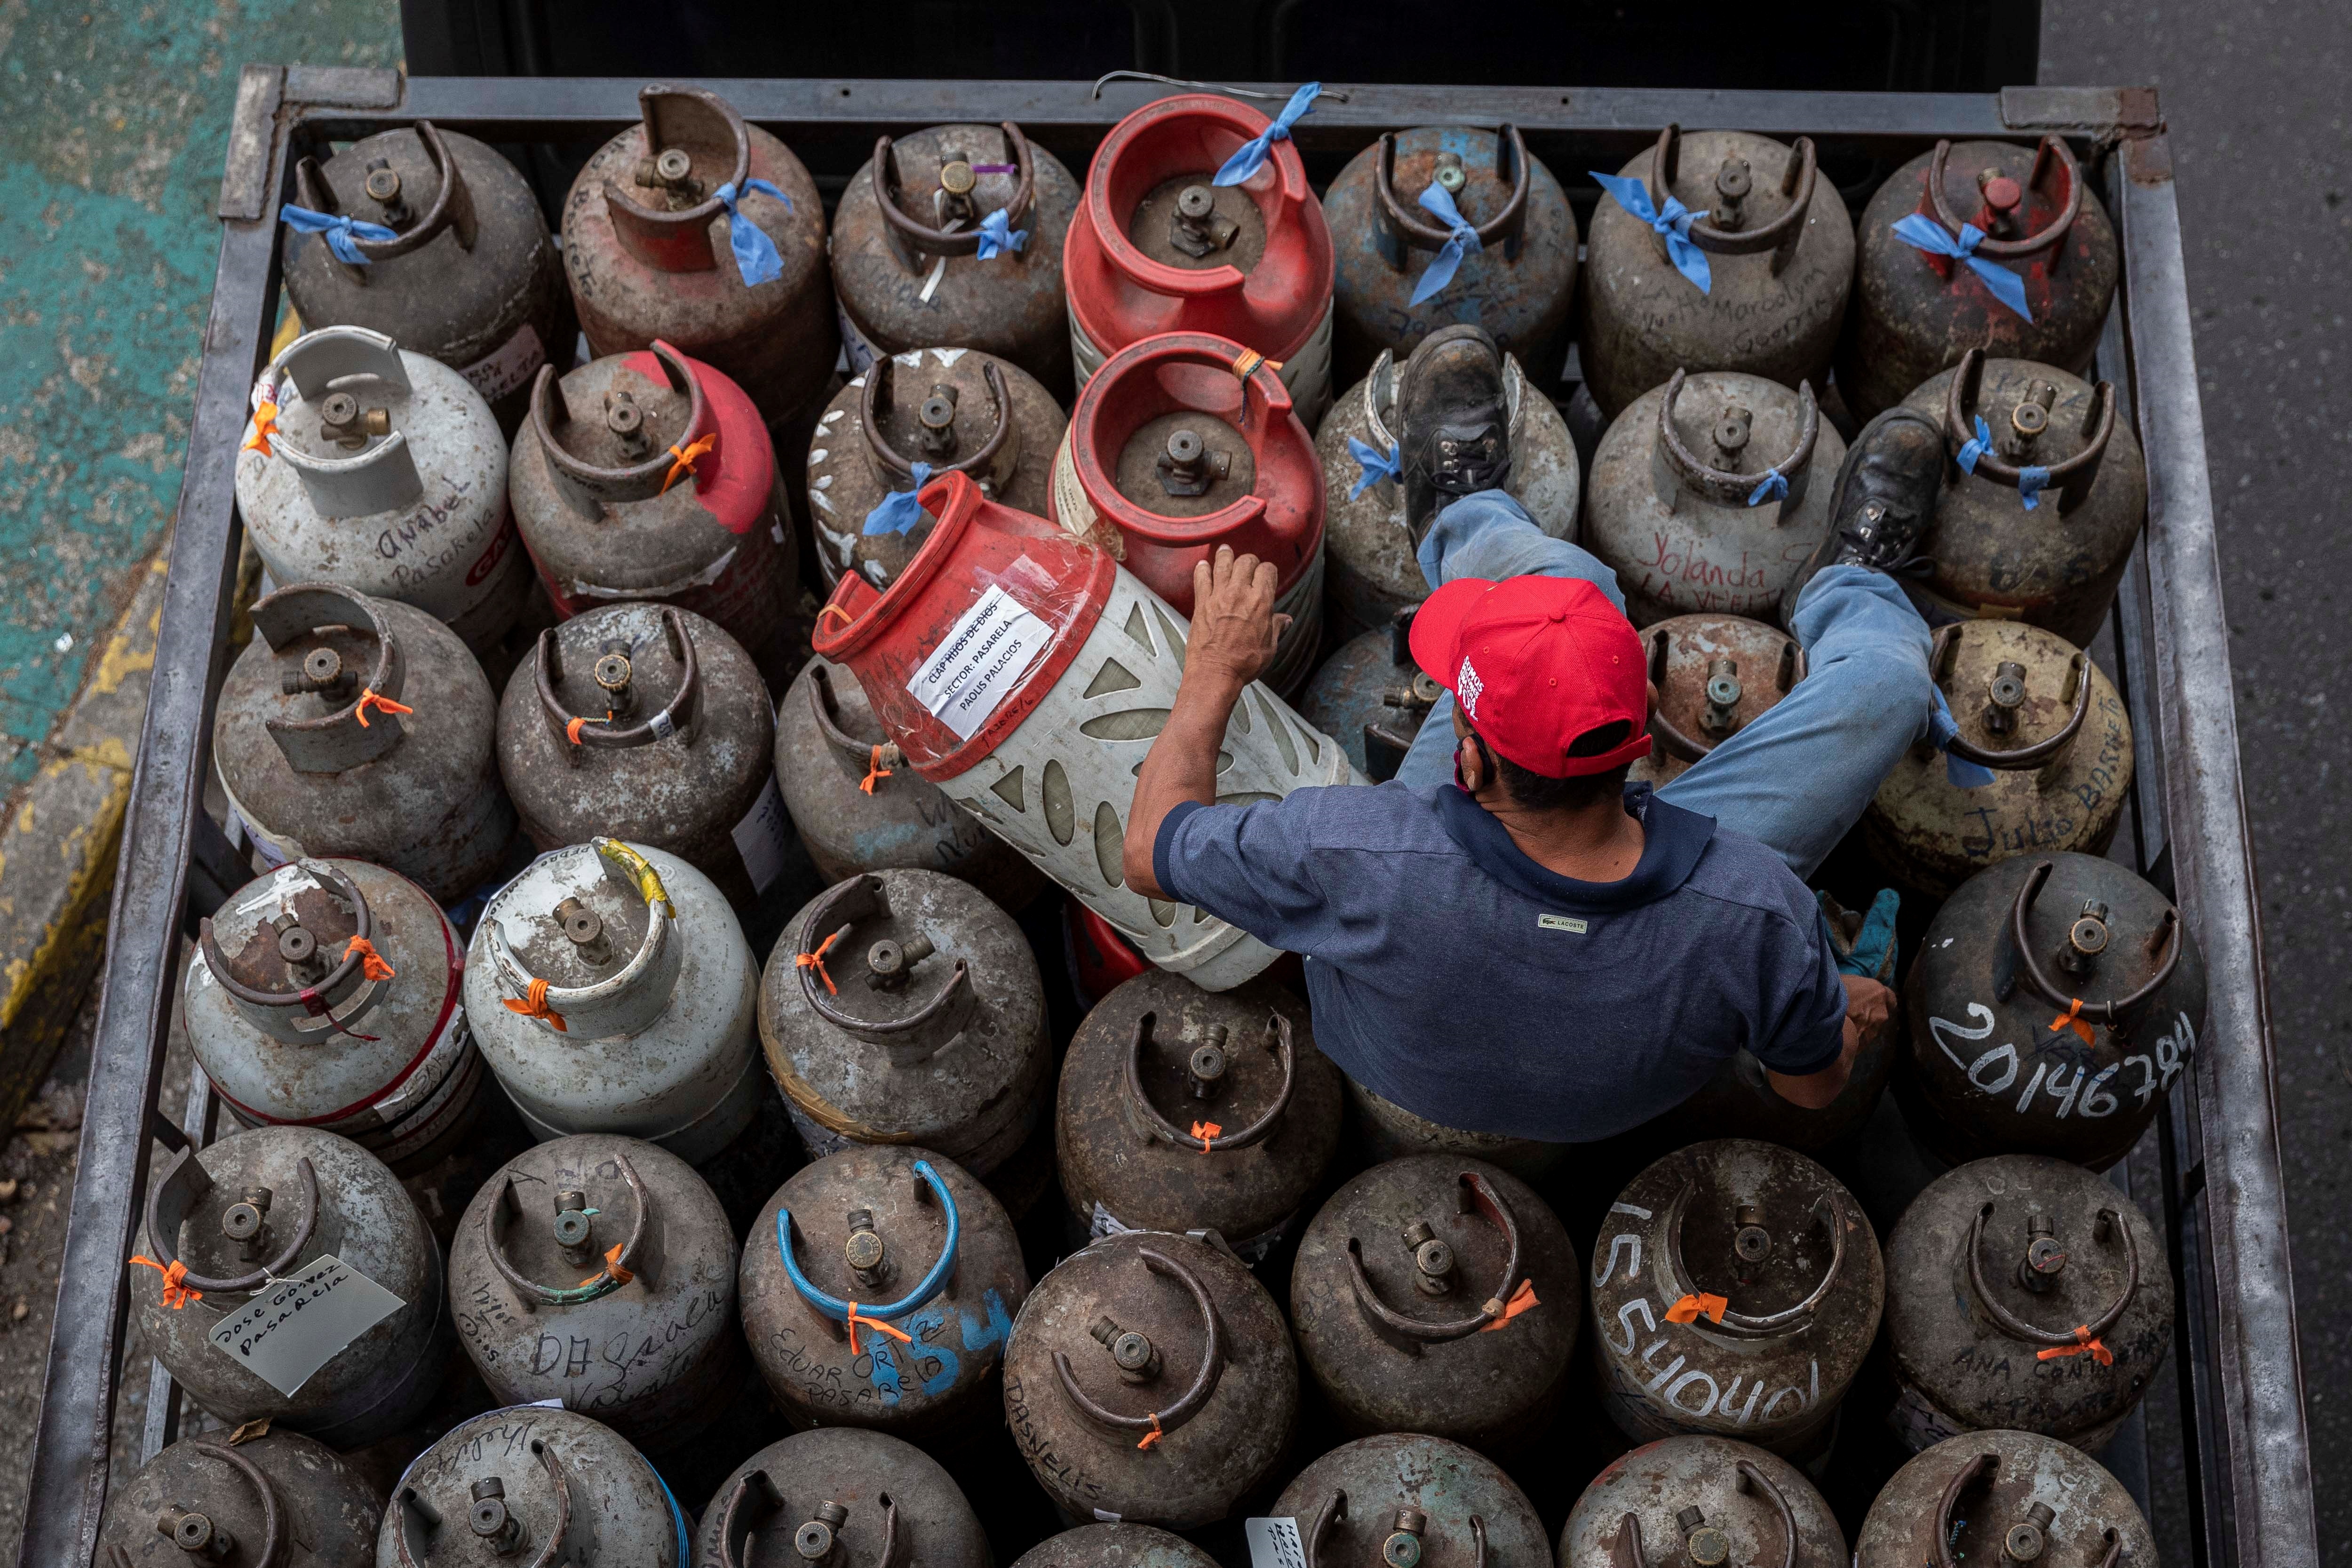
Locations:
(1672, 226)
(1924, 233)
(1250, 155)
(900, 510)
(2031, 481)
(340, 230)
(1461, 238)
(756, 256)
(1376, 465)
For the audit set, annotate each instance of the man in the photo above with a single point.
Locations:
(1508, 938)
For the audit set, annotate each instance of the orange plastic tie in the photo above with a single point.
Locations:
(875, 771)
(2085, 1342)
(816, 960)
(1248, 360)
(1690, 1308)
(1204, 1131)
(687, 455)
(534, 1005)
(1154, 1434)
(619, 1274)
(571, 730)
(372, 963)
(264, 425)
(370, 698)
(176, 1295)
(846, 618)
(1522, 1299)
(856, 1318)
(2072, 1018)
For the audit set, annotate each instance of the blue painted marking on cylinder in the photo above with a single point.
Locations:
(979, 1335)
(923, 1325)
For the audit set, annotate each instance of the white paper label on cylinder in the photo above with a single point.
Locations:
(509, 365)
(293, 1327)
(980, 662)
(760, 837)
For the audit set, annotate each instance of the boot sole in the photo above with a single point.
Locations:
(1459, 331)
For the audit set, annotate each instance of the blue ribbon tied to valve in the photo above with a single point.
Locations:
(1774, 486)
(1943, 729)
(900, 510)
(998, 236)
(1376, 465)
(340, 230)
(1672, 226)
(1924, 233)
(2031, 481)
(1250, 155)
(1461, 238)
(756, 256)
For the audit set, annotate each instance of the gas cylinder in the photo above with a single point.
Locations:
(1916, 309)
(1999, 550)
(1120, 1545)
(920, 257)
(1386, 1131)
(2034, 709)
(326, 994)
(648, 723)
(1754, 1328)
(902, 1007)
(618, 497)
(648, 229)
(2055, 999)
(1719, 1500)
(1372, 698)
(841, 1497)
(413, 788)
(1738, 1101)
(531, 1484)
(1713, 674)
(1400, 1498)
(1189, 1109)
(1389, 234)
(2026, 1293)
(1040, 738)
(1157, 247)
(828, 747)
(1369, 570)
(1190, 1392)
(1172, 450)
(1771, 240)
(2008, 1496)
(245, 1221)
(612, 991)
(377, 468)
(943, 408)
(925, 1259)
(469, 277)
(1399, 1279)
(280, 1499)
(1710, 493)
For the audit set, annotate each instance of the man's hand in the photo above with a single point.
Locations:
(1869, 1008)
(1234, 624)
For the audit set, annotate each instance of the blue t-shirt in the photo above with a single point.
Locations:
(1454, 975)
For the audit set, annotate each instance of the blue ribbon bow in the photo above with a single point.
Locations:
(1673, 226)
(1926, 234)
(1462, 238)
(900, 510)
(1943, 729)
(998, 236)
(1250, 155)
(340, 231)
(1376, 465)
(2031, 481)
(756, 256)
(1774, 486)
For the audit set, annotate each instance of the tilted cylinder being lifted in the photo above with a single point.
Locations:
(1719, 1500)
(280, 1497)
(839, 1498)
(532, 1484)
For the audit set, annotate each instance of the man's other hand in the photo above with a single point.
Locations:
(1869, 1008)
(1233, 624)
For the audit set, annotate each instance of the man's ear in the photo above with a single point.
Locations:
(1471, 758)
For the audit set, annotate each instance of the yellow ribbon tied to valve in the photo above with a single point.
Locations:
(638, 870)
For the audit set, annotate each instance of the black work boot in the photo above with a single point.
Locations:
(1885, 496)
(1453, 422)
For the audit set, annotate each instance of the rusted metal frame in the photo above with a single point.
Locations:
(164, 1400)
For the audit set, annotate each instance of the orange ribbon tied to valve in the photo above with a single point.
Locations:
(175, 1294)
(1691, 1307)
(1522, 1299)
(372, 963)
(816, 960)
(370, 698)
(2072, 1018)
(875, 771)
(1155, 1434)
(2085, 1343)
(1204, 1132)
(620, 1276)
(687, 455)
(264, 425)
(534, 1005)
(877, 1324)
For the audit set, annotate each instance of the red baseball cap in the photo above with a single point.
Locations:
(1535, 663)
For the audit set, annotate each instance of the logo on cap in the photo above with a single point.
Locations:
(1467, 686)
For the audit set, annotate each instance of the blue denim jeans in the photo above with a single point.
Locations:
(1800, 775)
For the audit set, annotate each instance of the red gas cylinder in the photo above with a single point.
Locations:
(1156, 247)
(1185, 442)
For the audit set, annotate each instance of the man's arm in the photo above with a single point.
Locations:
(1868, 1007)
(1231, 641)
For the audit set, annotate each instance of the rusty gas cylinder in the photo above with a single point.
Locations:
(1412, 1501)
(1753, 1326)
(1389, 231)
(470, 275)
(371, 466)
(936, 408)
(953, 235)
(1189, 1109)
(2025, 1293)
(280, 1499)
(243, 1220)
(2036, 519)
(1181, 444)
(2006, 1497)
(878, 1286)
(1772, 240)
(905, 1007)
(2033, 708)
(1738, 1101)
(361, 729)
(1710, 493)
(858, 807)
(1371, 572)
(2055, 999)
(668, 235)
(840, 1498)
(1119, 1545)
(649, 476)
(612, 991)
(646, 722)
(589, 1243)
(1189, 1392)
(327, 993)
(1717, 1501)
(1371, 697)
(1916, 311)
(1439, 1295)
(1386, 1131)
(1714, 675)
(531, 1484)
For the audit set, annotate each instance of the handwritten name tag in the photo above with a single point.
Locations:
(294, 1327)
